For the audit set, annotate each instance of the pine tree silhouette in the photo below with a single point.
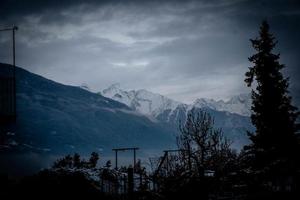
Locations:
(94, 159)
(76, 160)
(274, 145)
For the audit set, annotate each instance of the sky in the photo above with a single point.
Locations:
(182, 49)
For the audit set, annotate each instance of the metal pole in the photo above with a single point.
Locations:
(13, 29)
(134, 158)
(167, 152)
(14, 70)
(14, 50)
(116, 159)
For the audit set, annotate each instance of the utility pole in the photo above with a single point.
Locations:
(13, 29)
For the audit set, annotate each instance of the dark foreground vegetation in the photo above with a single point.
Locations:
(204, 166)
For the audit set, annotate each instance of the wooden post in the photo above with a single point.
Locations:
(130, 183)
(124, 184)
(116, 159)
(134, 159)
(167, 161)
(141, 180)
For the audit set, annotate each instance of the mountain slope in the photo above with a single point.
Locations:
(57, 118)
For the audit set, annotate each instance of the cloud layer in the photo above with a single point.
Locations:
(182, 49)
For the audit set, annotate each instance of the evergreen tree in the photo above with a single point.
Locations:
(66, 162)
(76, 160)
(94, 159)
(138, 168)
(108, 164)
(274, 145)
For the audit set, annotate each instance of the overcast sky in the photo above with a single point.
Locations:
(182, 49)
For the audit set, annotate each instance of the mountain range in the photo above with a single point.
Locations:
(232, 115)
(152, 104)
(56, 119)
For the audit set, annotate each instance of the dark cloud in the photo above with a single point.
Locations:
(18, 8)
(183, 49)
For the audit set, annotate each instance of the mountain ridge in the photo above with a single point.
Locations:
(173, 113)
(61, 119)
(136, 99)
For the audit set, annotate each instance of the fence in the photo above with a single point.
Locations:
(124, 183)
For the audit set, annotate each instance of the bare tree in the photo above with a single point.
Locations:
(202, 146)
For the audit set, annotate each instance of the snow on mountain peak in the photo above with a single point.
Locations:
(143, 101)
(204, 102)
(113, 89)
(240, 104)
(153, 104)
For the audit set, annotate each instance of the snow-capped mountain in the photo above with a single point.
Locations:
(240, 104)
(231, 116)
(57, 119)
(153, 104)
(143, 101)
